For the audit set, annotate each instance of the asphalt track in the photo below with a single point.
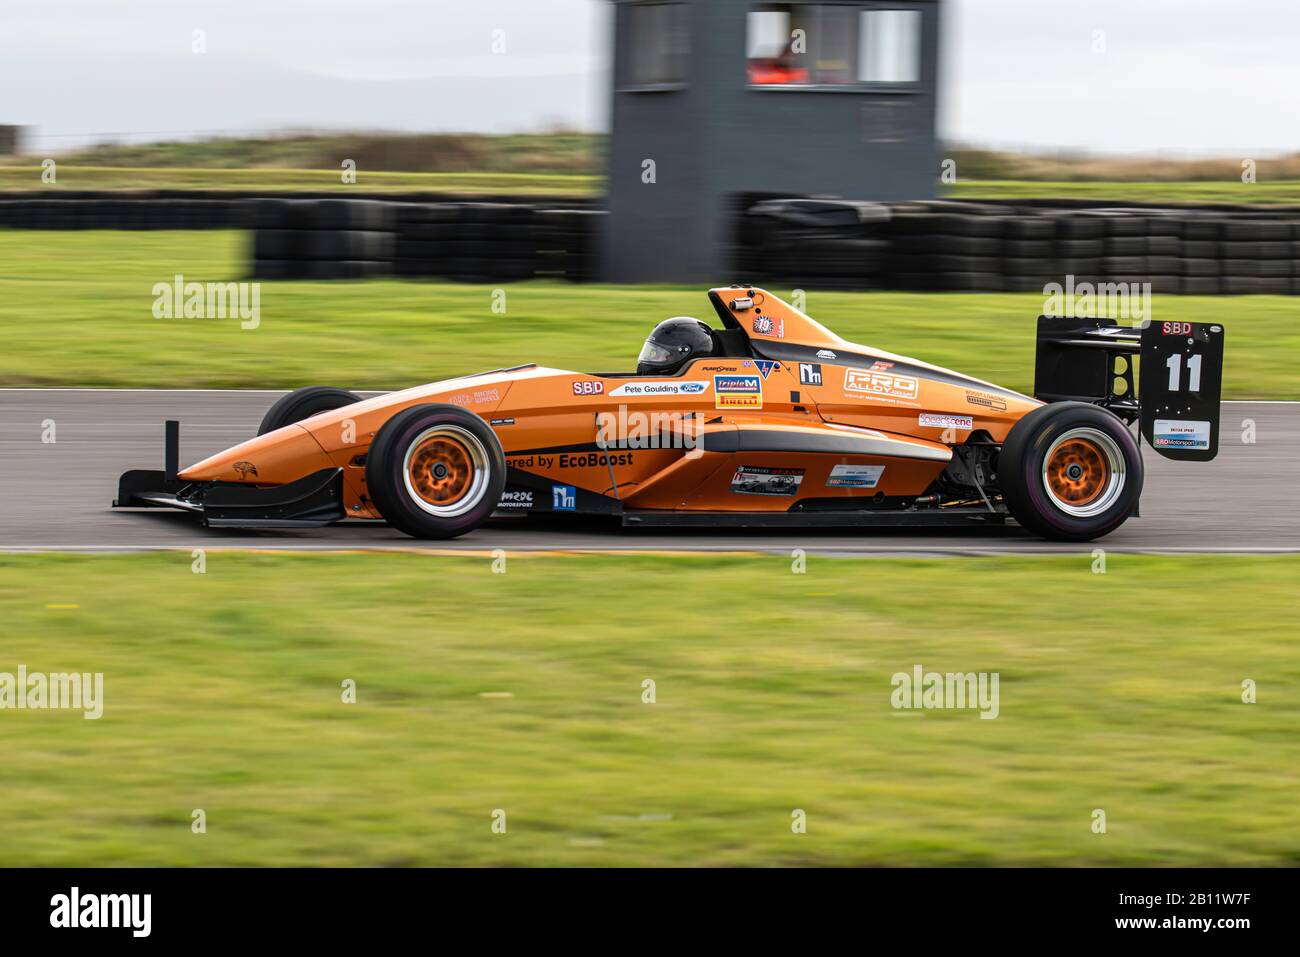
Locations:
(56, 496)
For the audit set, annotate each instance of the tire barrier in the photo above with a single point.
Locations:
(322, 238)
(122, 213)
(495, 242)
(937, 245)
(947, 246)
(823, 243)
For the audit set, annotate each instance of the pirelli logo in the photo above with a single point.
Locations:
(737, 392)
(880, 383)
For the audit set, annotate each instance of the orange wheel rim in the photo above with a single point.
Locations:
(441, 470)
(1077, 472)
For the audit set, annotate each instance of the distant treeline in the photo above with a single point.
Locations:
(575, 153)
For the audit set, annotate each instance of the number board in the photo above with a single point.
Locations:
(1182, 374)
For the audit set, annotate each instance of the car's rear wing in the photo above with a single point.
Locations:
(1173, 391)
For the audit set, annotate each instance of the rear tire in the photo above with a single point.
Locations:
(1070, 471)
(303, 404)
(435, 471)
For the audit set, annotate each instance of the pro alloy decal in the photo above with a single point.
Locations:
(887, 384)
(636, 389)
(737, 392)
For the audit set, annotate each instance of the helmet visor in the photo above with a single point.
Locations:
(653, 353)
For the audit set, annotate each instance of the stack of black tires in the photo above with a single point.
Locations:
(97, 212)
(945, 251)
(566, 243)
(826, 244)
(470, 242)
(322, 238)
(1259, 256)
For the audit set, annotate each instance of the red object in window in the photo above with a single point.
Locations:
(775, 73)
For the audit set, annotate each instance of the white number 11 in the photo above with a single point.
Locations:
(1175, 364)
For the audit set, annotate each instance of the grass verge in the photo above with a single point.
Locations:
(523, 691)
(76, 308)
(74, 176)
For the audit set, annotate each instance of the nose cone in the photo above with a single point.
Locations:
(276, 458)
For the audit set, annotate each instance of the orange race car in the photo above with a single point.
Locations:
(772, 420)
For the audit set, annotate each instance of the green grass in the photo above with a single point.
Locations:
(73, 178)
(558, 152)
(76, 309)
(548, 182)
(222, 692)
(1223, 191)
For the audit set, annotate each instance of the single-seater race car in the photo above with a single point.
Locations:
(770, 420)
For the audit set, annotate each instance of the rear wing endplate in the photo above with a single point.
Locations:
(1173, 392)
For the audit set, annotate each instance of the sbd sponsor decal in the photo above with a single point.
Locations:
(738, 392)
(855, 476)
(588, 387)
(1181, 434)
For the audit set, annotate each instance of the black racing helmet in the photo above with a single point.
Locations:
(673, 343)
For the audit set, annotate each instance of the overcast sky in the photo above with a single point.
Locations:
(1176, 76)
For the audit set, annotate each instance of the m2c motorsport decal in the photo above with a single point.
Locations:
(737, 392)
(516, 498)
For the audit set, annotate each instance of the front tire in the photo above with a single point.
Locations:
(435, 471)
(1070, 471)
(303, 404)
